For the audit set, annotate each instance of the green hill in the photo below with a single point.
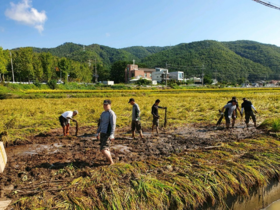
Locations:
(141, 52)
(211, 56)
(265, 54)
(226, 60)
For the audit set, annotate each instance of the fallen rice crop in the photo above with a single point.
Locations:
(184, 181)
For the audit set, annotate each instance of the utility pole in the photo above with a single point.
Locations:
(12, 67)
(202, 75)
(166, 78)
(95, 72)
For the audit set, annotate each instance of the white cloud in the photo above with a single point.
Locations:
(108, 34)
(24, 13)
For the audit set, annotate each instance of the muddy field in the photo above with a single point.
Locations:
(34, 167)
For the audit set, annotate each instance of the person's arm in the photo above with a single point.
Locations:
(113, 125)
(242, 111)
(137, 112)
(99, 127)
(223, 109)
(239, 110)
(254, 108)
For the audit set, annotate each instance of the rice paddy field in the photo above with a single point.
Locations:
(192, 164)
(24, 117)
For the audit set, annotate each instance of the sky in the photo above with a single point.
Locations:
(123, 23)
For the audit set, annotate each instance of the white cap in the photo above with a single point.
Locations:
(76, 111)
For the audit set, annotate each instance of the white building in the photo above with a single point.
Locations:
(177, 75)
(108, 82)
(197, 80)
(158, 74)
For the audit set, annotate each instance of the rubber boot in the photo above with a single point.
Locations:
(64, 130)
(67, 129)
(255, 124)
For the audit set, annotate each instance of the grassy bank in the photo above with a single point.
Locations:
(23, 117)
(184, 181)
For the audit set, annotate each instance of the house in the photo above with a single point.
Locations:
(176, 75)
(159, 74)
(133, 73)
(274, 82)
(214, 82)
(197, 80)
(108, 82)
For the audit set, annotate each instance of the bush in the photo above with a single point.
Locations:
(52, 84)
(142, 81)
(37, 84)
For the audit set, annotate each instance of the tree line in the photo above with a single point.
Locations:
(43, 67)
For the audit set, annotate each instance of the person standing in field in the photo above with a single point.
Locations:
(64, 120)
(233, 117)
(156, 117)
(136, 124)
(106, 130)
(230, 112)
(248, 106)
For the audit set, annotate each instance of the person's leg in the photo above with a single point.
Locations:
(63, 124)
(157, 130)
(108, 156)
(105, 147)
(254, 119)
(139, 129)
(227, 122)
(141, 134)
(233, 120)
(153, 128)
(157, 124)
(64, 130)
(247, 119)
(67, 129)
(133, 129)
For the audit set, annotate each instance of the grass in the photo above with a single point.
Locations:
(185, 181)
(23, 117)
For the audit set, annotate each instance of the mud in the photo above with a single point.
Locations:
(52, 152)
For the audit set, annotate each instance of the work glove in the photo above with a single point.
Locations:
(229, 117)
(221, 113)
(256, 111)
(234, 117)
(74, 120)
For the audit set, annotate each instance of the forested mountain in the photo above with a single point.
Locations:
(265, 54)
(103, 54)
(141, 52)
(210, 56)
(229, 61)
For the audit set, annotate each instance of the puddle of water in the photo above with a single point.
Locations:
(273, 206)
(121, 148)
(32, 149)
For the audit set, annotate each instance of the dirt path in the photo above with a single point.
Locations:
(35, 163)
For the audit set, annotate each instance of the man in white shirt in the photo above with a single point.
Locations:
(64, 120)
(230, 113)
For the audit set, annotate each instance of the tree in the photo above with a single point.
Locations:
(23, 64)
(37, 67)
(3, 63)
(47, 64)
(118, 71)
(64, 67)
(207, 80)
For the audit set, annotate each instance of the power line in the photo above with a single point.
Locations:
(268, 4)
